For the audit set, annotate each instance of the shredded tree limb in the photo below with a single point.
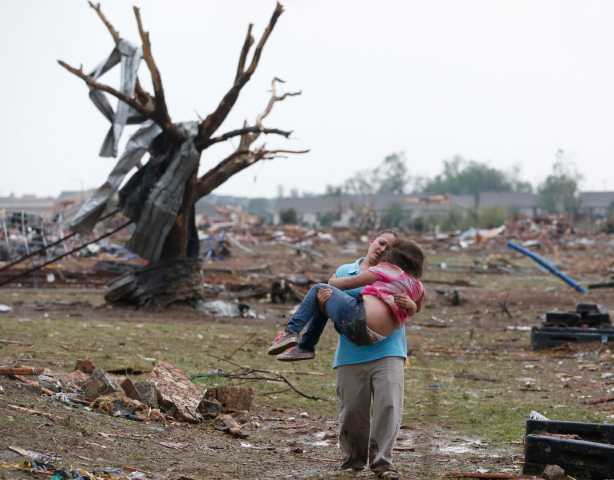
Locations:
(243, 131)
(214, 120)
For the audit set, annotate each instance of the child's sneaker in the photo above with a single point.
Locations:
(295, 354)
(282, 342)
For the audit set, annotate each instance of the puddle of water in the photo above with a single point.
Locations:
(466, 446)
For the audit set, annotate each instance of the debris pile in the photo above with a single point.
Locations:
(589, 323)
(168, 395)
(583, 450)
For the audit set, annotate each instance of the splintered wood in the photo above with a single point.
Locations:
(20, 371)
(176, 392)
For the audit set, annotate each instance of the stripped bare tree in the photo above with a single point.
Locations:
(160, 196)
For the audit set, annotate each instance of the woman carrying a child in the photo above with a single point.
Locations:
(368, 302)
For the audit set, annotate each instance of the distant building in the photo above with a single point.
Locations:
(596, 204)
(27, 204)
(350, 208)
(522, 203)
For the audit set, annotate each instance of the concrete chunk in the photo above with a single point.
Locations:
(76, 378)
(209, 408)
(176, 393)
(100, 383)
(554, 472)
(148, 393)
(130, 390)
(49, 383)
(232, 399)
(85, 366)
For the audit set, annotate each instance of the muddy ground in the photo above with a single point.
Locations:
(450, 423)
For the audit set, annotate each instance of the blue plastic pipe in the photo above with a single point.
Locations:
(548, 266)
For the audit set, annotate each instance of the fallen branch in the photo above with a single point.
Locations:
(298, 372)
(275, 392)
(595, 401)
(247, 373)
(13, 342)
(241, 346)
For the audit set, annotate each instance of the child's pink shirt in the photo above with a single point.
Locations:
(392, 281)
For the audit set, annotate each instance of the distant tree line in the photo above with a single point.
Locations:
(558, 193)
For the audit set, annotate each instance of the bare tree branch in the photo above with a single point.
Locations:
(231, 165)
(274, 98)
(170, 129)
(142, 95)
(215, 119)
(243, 131)
(256, 58)
(243, 157)
(160, 102)
(114, 33)
(105, 88)
(249, 41)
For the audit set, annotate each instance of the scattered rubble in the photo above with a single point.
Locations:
(85, 366)
(100, 383)
(76, 379)
(232, 399)
(176, 393)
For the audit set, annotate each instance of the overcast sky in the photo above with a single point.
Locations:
(502, 82)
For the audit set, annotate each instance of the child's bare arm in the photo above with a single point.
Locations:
(419, 306)
(402, 300)
(357, 281)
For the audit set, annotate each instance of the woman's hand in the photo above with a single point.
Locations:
(331, 281)
(402, 300)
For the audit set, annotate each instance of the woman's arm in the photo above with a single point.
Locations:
(357, 281)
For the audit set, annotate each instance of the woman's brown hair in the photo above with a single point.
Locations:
(406, 255)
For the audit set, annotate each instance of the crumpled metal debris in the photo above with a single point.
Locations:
(130, 57)
(163, 202)
(137, 146)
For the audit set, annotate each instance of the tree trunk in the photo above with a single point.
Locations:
(176, 243)
(157, 285)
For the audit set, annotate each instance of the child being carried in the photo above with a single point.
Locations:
(373, 314)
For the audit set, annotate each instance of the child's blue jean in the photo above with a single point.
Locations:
(347, 313)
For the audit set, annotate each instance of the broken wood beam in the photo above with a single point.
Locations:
(240, 246)
(20, 371)
(309, 252)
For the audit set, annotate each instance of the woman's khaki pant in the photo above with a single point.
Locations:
(367, 433)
